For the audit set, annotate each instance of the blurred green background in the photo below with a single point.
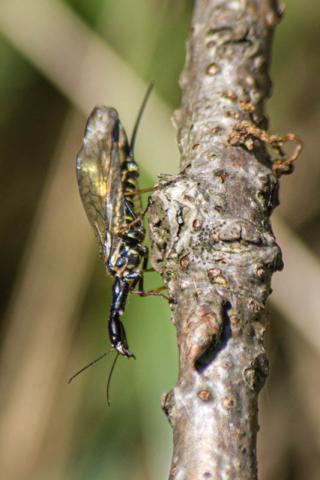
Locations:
(59, 59)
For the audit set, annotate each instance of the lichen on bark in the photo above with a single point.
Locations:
(213, 243)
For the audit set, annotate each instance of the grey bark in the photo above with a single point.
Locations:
(212, 240)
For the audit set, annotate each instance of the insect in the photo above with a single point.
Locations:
(107, 175)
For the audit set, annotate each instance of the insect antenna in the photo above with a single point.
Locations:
(87, 366)
(141, 110)
(109, 378)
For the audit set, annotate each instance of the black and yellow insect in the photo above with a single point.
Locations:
(107, 175)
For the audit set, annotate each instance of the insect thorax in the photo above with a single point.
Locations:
(125, 260)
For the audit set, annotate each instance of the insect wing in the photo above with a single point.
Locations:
(115, 210)
(95, 166)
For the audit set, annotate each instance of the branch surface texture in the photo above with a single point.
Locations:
(213, 243)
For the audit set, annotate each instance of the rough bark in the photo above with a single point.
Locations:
(212, 240)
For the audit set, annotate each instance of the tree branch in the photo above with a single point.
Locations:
(212, 240)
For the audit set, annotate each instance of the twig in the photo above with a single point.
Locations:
(213, 243)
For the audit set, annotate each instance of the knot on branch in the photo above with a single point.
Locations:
(168, 405)
(203, 330)
(199, 241)
(256, 374)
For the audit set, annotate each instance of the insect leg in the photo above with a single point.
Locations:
(139, 192)
(154, 293)
(145, 254)
(142, 292)
(137, 218)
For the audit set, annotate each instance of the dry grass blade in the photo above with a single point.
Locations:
(87, 71)
(41, 314)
